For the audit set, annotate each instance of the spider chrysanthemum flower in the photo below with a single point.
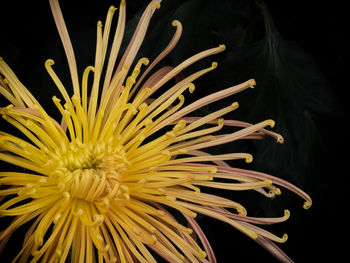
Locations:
(104, 184)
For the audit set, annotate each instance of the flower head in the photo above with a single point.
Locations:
(102, 183)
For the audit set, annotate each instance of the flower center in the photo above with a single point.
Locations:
(92, 172)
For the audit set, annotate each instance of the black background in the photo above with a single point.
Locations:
(314, 42)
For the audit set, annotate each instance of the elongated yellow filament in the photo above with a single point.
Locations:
(26, 96)
(50, 128)
(197, 134)
(8, 95)
(170, 46)
(115, 48)
(97, 75)
(235, 136)
(81, 122)
(185, 247)
(237, 225)
(114, 92)
(66, 117)
(63, 32)
(106, 30)
(84, 86)
(209, 118)
(167, 113)
(6, 88)
(232, 156)
(48, 65)
(15, 112)
(187, 63)
(236, 187)
(138, 36)
(206, 100)
(23, 149)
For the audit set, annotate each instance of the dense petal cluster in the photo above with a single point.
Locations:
(100, 185)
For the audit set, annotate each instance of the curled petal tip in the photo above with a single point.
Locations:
(214, 65)
(249, 158)
(271, 123)
(268, 182)
(235, 105)
(203, 254)
(191, 88)
(307, 204)
(287, 213)
(9, 107)
(156, 4)
(55, 99)
(280, 139)
(34, 253)
(277, 191)
(284, 238)
(181, 98)
(49, 62)
(222, 47)
(175, 22)
(144, 61)
(252, 83)
(112, 8)
(241, 211)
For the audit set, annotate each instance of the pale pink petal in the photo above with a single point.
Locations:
(273, 249)
(208, 249)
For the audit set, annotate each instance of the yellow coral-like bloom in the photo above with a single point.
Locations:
(100, 184)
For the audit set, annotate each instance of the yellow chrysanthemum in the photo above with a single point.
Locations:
(99, 186)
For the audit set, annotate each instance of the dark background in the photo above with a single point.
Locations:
(301, 68)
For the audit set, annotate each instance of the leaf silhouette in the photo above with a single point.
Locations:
(290, 87)
(291, 90)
